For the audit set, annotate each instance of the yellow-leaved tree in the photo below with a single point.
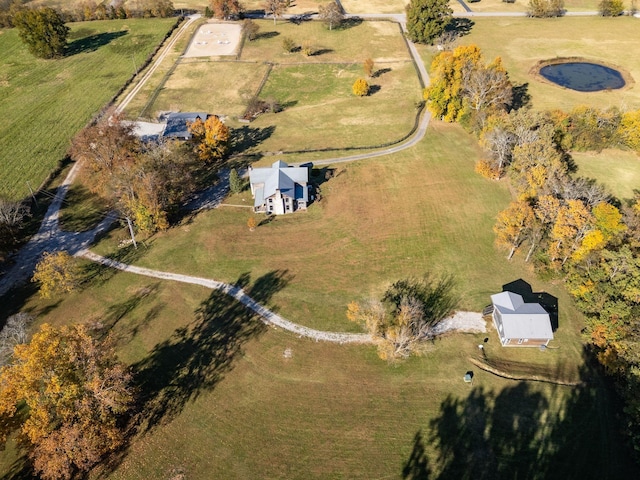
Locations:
(513, 224)
(360, 88)
(56, 273)
(211, 138)
(75, 393)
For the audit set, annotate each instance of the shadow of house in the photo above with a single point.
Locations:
(92, 42)
(548, 301)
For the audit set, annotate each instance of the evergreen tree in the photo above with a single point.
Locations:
(43, 31)
(427, 19)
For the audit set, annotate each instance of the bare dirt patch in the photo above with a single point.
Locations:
(215, 39)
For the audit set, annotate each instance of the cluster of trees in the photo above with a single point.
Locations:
(402, 322)
(94, 10)
(465, 89)
(569, 226)
(66, 394)
(573, 229)
(144, 182)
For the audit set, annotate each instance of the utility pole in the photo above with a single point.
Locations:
(32, 195)
(133, 238)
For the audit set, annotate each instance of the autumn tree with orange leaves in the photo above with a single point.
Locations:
(211, 138)
(74, 391)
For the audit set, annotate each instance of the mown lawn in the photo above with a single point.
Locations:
(423, 210)
(225, 402)
(523, 42)
(44, 102)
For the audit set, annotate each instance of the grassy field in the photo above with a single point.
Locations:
(379, 221)
(44, 102)
(223, 401)
(522, 42)
(618, 170)
(315, 90)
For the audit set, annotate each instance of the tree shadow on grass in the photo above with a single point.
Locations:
(86, 212)
(373, 89)
(265, 35)
(21, 469)
(381, 71)
(516, 433)
(417, 466)
(460, 26)
(246, 137)
(92, 42)
(198, 356)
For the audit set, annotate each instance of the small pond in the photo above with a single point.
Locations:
(583, 77)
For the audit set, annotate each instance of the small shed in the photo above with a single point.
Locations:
(520, 324)
(178, 124)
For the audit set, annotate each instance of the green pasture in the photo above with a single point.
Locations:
(44, 102)
(315, 91)
(421, 210)
(618, 170)
(223, 401)
(523, 42)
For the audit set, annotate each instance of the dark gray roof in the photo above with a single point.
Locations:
(177, 124)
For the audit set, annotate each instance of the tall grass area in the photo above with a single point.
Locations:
(44, 102)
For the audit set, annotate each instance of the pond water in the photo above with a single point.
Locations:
(583, 77)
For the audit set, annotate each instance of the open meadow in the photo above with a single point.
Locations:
(224, 396)
(45, 102)
(617, 170)
(523, 42)
(223, 400)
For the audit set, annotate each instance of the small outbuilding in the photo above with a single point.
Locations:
(178, 124)
(520, 324)
(279, 189)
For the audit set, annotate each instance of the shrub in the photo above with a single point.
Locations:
(288, 45)
(360, 88)
(368, 67)
(308, 50)
(251, 29)
(611, 8)
(487, 170)
(545, 8)
(256, 106)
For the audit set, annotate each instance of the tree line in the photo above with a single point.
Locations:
(87, 10)
(568, 226)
